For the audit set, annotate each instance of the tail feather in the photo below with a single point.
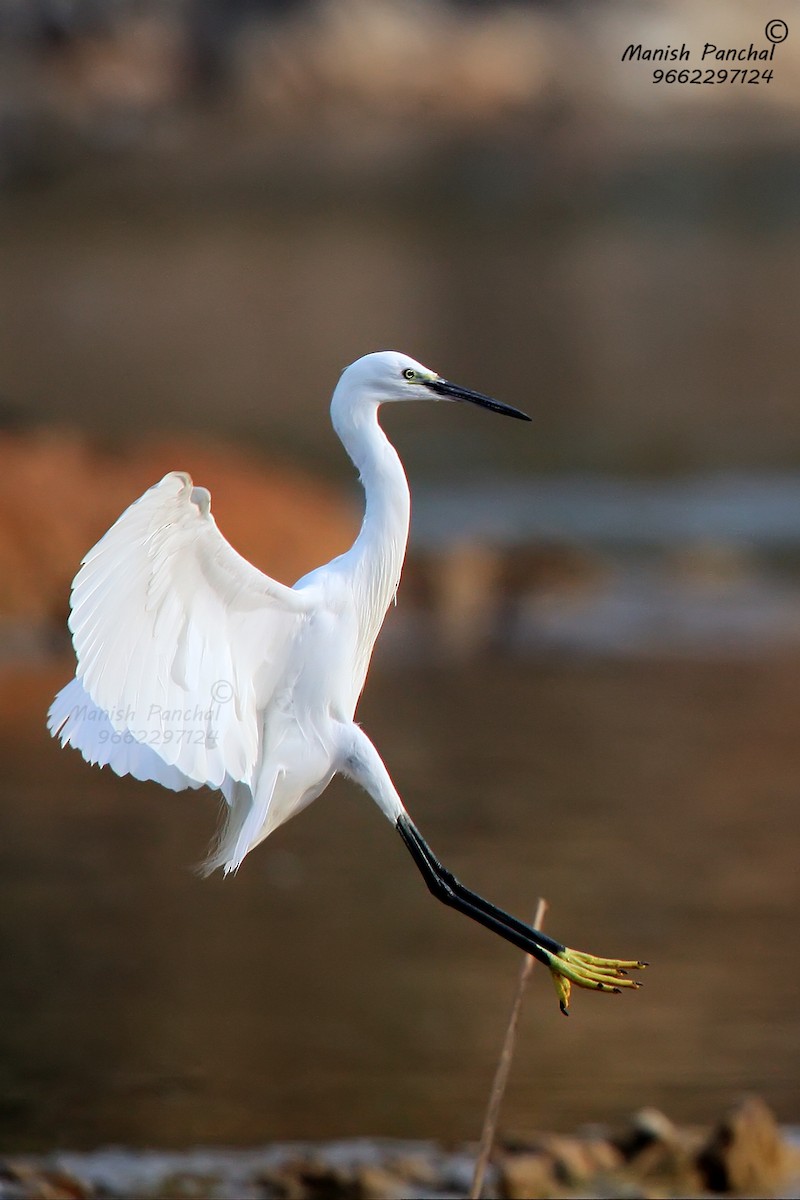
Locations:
(242, 827)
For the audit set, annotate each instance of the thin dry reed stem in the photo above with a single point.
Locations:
(503, 1066)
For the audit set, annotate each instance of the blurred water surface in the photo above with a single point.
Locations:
(640, 341)
(324, 993)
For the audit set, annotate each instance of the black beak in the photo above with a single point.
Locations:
(443, 387)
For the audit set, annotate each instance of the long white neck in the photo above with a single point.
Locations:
(378, 551)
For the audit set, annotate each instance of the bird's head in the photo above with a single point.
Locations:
(388, 375)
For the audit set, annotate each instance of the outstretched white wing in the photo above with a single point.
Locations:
(180, 644)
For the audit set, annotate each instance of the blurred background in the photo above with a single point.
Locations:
(590, 689)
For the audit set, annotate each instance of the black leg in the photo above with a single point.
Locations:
(449, 890)
(567, 966)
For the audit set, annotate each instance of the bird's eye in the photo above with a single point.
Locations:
(410, 374)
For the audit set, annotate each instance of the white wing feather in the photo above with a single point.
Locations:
(80, 723)
(180, 644)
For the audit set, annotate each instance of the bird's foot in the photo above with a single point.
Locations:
(588, 971)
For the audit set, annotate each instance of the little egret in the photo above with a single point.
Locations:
(194, 669)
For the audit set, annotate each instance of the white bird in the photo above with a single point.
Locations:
(195, 669)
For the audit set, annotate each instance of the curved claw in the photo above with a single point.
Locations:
(589, 971)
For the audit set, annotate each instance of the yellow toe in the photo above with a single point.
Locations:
(589, 971)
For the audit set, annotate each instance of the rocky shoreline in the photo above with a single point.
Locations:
(745, 1154)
